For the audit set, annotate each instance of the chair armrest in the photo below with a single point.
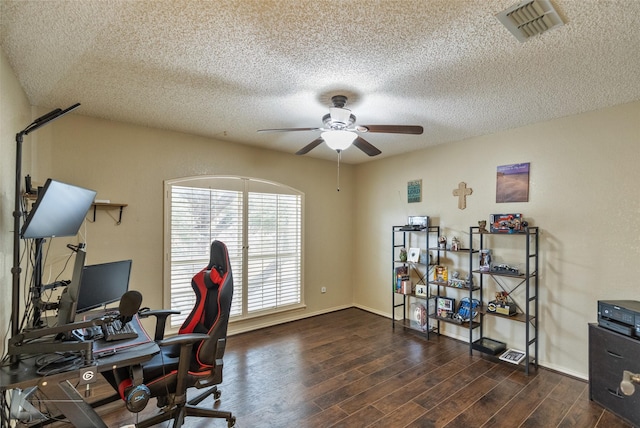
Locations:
(161, 320)
(183, 339)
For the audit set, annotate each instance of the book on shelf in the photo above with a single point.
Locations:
(402, 271)
(403, 281)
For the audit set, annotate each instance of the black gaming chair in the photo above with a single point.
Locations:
(193, 358)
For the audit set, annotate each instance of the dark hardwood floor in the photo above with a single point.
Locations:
(351, 369)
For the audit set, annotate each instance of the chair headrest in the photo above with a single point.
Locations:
(218, 257)
(212, 278)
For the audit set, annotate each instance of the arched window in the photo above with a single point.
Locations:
(261, 224)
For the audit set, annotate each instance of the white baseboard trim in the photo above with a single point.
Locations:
(373, 311)
(295, 315)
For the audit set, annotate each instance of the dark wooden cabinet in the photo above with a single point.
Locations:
(611, 353)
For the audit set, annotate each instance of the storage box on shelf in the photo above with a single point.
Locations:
(515, 296)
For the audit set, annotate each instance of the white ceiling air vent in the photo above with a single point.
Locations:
(530, 18)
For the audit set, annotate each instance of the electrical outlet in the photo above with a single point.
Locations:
(323, 290)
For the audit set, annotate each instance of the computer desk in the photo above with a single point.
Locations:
(61, 388)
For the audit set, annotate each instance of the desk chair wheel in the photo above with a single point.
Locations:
(231, 422)
(217, 394)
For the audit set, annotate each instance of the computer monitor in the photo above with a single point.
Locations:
(59, 211)
(70, 295)
(103, 284)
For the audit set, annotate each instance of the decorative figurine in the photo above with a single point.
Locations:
(482, 226)
(455, 280)
(501, 297)
(469, 281)
(485, 260)
(442, 242)
(403, 254)
(455, 244)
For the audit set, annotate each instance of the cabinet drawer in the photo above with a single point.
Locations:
(609, 397)
(611, 353)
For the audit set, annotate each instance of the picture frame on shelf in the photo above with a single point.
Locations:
(421, 290)
(513, 356)
(445, 306)
(414, 255)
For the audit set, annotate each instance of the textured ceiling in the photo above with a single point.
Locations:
(224, 69)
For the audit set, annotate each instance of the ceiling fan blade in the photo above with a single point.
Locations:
(288, 129)
(312, 145)
(366, 146)
(392, 129)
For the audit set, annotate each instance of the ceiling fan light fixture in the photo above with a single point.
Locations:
(339, 139)
(340, 116)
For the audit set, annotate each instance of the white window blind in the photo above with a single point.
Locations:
(274, 251)
(261, 224)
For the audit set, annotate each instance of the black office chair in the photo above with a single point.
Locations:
(193, 358)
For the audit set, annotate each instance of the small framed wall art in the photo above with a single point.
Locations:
(414, 191)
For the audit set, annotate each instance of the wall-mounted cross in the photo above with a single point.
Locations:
(461, 192)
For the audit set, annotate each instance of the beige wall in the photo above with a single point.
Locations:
(15, 115)
(583, 196)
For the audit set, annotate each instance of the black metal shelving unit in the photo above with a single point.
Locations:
(407, 238)
(526, 311)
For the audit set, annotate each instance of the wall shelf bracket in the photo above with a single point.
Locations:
(96, 205)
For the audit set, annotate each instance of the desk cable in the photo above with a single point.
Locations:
(58, 362)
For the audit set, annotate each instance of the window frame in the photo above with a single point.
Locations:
(259, 186)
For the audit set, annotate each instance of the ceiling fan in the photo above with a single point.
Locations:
(340, 131)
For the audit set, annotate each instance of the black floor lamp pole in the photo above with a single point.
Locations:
(17, 216)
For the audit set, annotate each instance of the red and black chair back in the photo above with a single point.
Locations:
(213, 288)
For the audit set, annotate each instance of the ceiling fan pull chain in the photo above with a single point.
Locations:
(339, 153)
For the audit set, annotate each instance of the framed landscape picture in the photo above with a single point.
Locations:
(512, 183)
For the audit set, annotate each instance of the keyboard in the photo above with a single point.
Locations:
(116, 331)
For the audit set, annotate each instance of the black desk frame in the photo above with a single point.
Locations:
(59, 388)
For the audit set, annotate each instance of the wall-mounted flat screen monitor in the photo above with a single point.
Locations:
(59, 211)
(103, 284)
